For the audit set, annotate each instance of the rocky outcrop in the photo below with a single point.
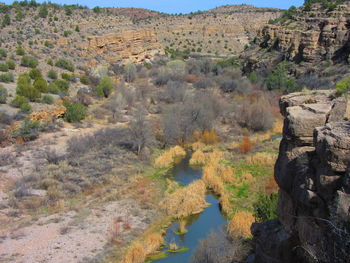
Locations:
(311, 36)
(135, 45)
(312, 171)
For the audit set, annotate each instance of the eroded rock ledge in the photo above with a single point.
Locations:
(312, 171)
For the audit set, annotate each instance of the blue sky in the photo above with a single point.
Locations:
(178, 6)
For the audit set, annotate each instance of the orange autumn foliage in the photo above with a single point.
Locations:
(246, 145)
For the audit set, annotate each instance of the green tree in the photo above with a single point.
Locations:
(278, 79)
(75, 112)
(104, 87)
(26, 89)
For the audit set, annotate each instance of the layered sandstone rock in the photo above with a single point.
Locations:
(311, 36)
(312, 172)
(135, 45)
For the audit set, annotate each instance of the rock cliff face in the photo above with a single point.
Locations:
(311, 36)
(135, 45)
(312, 171)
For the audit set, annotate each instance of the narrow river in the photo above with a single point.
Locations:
(198, 226)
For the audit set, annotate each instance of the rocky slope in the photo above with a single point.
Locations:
(90, 37)
(313, 39)
(312, 172)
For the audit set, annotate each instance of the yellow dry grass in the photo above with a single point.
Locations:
(170, 157)
(198, 158)
(182, 226)
(225, 203)
(240, 224)
(276, 129)
(152, 242)
(213, 181)
(262, 158)
(135, 254)
(186, 201)
(138, 251)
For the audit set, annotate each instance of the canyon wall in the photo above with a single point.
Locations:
(135, 45)
(311, 36)
(312, 172)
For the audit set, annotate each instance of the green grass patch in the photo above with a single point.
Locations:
(157, 256)
(180, 250)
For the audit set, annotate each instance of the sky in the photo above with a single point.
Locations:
(178, 6)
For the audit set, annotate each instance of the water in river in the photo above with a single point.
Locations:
(198, 226)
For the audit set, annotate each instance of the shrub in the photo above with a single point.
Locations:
(22, 103)
(65, 64)
(47, 99)
(43, 12)
(219, 248)
(11, 64)
(130, 72)
(20, 51)
(53, 88)
(343, 86)
(75, 112)
(186, 201)
(29, 130)
(35, 73)
(50, 62)
(3, 94)
(26, 89)
(265, 207)
(85, 80)
(162, 76)
(3, 53)
(240, 225)
(6, 20)
(41, 85)
(246, 145)
(256, 116)
(170, 157)
(6, 77)
(52, 74)
(4, 67)
(67, 77)
(29, 62)
(62, 85)
(104, 87)
(278, 79)
(66, 33)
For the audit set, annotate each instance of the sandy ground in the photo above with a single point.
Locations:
(70, 237)
(73, 236)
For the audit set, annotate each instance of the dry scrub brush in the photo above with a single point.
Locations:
(170, 157)
(220, 248)
(138, 251)
(262, 158)
(240, 224)
(186, 201)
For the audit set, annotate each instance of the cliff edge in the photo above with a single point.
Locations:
(312, 171)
